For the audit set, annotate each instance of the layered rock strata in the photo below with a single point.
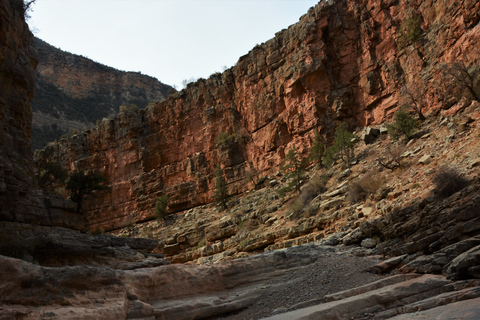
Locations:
(34, 225)
(343, 61)
(20, 200)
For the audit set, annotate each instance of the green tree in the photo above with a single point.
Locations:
(294, 167)
(47, 169)
(220, 193)
(317, 150)
(161, 206)
(409, 32)
(343, 147)
(403, 125)
(81, 185)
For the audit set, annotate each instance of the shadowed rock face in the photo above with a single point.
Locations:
(342, 61)
(164, 292)
(17, 62)
(87, 91)
(34, 225)
(21, 201)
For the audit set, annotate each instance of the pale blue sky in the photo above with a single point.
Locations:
(171, 40)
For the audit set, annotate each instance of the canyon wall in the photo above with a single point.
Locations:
(344, 61)
(72, 92)
(20, 200)
(17, 63)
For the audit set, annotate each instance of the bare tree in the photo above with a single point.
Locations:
(391, 156)
(27, 7)
(413, 95)
(466, 78)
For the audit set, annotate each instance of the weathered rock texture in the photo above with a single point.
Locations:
(20, 200)
(17, 62)
(343, 61)
(31, 291)
(72, 92)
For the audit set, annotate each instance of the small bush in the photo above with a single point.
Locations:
(391, 156)
(132, 107)
(447, 181)
(362, 189)
(258, 181)
(48, 170)
(282, 192)
(409, 32)
(403, 125)
(161, 207)
(81, 185)
(224, 139)
(308, 193)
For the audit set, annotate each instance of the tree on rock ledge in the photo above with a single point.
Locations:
(220, 194)
(294, 168)
(81, 185)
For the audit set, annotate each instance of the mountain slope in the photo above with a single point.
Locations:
(72, 92)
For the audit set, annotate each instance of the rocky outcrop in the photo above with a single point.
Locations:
(398, 297)
(87, 91)
(56, 247)
(165, 292)
(343, 61)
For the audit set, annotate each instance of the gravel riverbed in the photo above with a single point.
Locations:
(336, 269)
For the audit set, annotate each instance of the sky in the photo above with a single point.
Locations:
(171, 40)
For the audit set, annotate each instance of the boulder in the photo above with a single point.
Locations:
(466, 265)
(369, 135)
(369, 243)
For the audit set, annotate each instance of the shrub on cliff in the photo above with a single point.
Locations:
(225, 140)
(254, 176)
(309, 192)
(161, 206)
(368, 186)
(409, 32)
(447, 181)
(81, 185)
(131, 108)
(390, 157)
(343, 147)
(413, 95)
(403, 125)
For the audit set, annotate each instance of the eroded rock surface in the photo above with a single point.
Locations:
(164, 292)
(20, 199)
(343, 61)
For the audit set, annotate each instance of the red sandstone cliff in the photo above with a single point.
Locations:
(341, 62)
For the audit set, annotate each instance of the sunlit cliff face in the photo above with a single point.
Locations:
(340, 63)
